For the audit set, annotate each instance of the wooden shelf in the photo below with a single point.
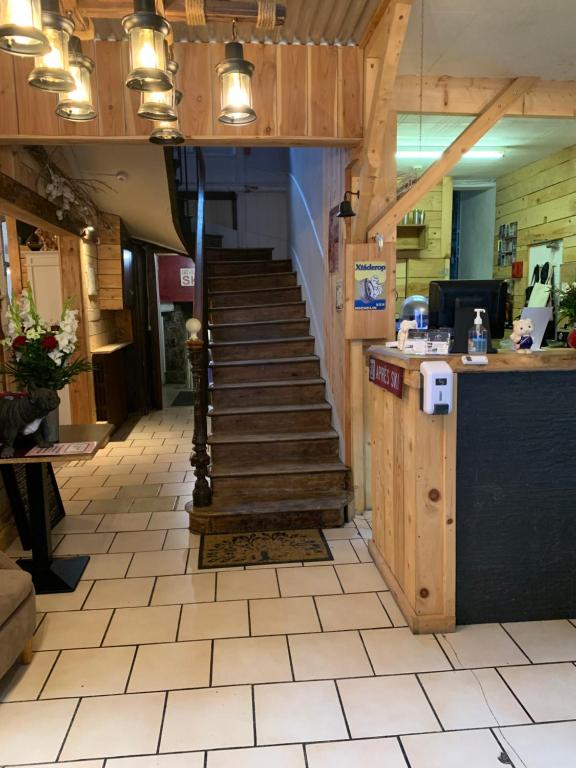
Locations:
(411, 237)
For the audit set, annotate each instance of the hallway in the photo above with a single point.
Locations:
(267, 666)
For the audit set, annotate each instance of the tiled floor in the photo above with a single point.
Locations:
(153, 663)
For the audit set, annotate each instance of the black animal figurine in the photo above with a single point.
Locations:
(25, 415)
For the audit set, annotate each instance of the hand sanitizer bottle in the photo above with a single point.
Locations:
(478, 335)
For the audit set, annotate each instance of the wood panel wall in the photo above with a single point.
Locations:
(541, 197)
(305, 94)
(415, 269)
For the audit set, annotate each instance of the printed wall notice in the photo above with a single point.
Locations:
(369, 285)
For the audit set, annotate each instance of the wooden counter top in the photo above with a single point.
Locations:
(546, 359)
(108, 349)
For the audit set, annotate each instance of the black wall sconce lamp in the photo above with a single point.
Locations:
(345, 211)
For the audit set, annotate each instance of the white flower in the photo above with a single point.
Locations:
(56, 355)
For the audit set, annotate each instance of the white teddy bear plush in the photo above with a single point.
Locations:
(405, 326)
(521, 336)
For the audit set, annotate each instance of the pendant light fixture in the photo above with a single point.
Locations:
(147, 33)
(167, 132)
(50, 71)
(235, 75)
(21, 28)
(77, 104)
(160, 105)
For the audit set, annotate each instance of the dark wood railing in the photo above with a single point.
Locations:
(190, 227)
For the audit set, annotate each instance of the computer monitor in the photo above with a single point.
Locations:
(452, 304)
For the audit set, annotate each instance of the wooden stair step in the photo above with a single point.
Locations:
(294, 511)
(238, 254)
(243, 448)
(289, 310)
(260, 329)
(231, 268)
(229, 371)
(255, 296)
(281, 392)
(277, 480)
(260, 280)
(296, 346)
(267, 418)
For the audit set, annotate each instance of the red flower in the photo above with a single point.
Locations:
(49, 343)
(19, 341)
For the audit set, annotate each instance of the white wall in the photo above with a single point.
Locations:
(316, 185)
(259, 177)
(477, 225)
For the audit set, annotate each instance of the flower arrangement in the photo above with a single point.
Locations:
(567, 301)
(41, 354)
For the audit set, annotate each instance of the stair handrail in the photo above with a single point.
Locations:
(197, 343)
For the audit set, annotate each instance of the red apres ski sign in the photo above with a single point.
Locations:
(386, 375)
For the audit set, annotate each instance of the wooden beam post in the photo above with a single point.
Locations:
(389, 36)
(389, 217)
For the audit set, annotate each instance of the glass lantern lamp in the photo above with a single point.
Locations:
(77, 104)
(50, 71)
(160, 105)
(21, 28)
(235, 75)
(167, 132)
(147, 33)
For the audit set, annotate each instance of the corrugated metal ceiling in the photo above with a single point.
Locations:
(332, 22)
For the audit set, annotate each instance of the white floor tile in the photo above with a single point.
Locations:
(78, 523)
(75, 629)
(181, 760)
(138, 541)
(210, 718)
(180, 538)
(32, 732)
(326, 655)
(545, 641)
(188, 588)
(548, 691)
(251, 660)
(84, 544)
(166, 666)
(386, 706)
(107, 566)
(288, 713)
(120, 593)
(315, 580)
(136, 626)
(397, 651)
(541, 746)
(64, 601)
(24, 681)
(113, 726)
(363, 577)
(258, 757)
(124, 521)
(472, 699)
(89, 672)
(284, 615)
(163, 563)
(371, 753)
(481, 645)
(354, 611)
(469, 749)
(177, 520)
(245, 585)
(211, 620)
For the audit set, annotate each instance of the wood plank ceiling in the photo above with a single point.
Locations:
(329, 22)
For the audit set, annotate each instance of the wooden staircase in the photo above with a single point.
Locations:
(275, 456)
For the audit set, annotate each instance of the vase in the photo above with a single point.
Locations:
(571, 340)
(52, 422)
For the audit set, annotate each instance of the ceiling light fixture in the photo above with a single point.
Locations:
(434, 154)
(77, 103)
(50, 71)
(147, 33)
(160, 105)
(235, 75)
(167, 133)
(21, 28)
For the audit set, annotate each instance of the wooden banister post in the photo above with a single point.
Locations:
(200, 458)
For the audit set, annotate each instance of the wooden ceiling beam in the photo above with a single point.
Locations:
(468, 95)
(390, 33)
(370, 36)
(387, 220)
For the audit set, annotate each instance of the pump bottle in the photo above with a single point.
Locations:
(478, 335)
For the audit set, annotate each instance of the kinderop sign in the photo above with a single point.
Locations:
(369, 285)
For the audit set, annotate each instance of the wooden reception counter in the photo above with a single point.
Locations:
(474, 513)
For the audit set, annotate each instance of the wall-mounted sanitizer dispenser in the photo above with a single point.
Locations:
(436, 387)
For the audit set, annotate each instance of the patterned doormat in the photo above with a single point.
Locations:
(221, 550)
